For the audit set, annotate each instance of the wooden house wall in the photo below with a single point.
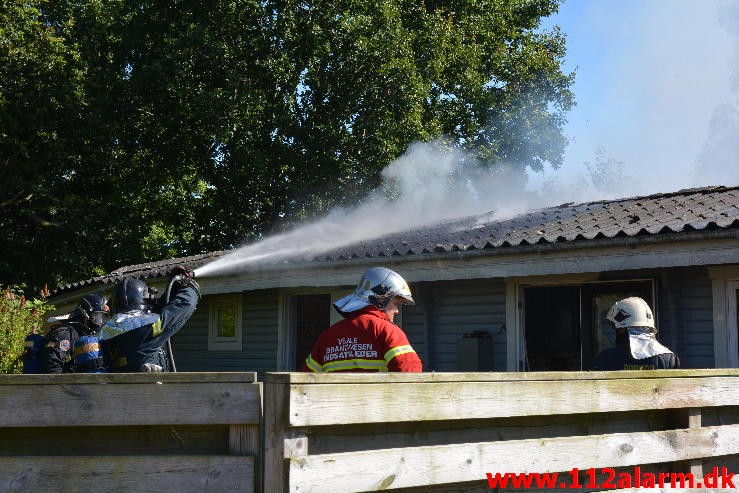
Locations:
(686, 315)
(259, 338)
(445, 311)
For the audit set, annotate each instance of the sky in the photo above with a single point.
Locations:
(657, 89)
(657, 92)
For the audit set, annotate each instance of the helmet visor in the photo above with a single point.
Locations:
(99, 318)
(404, 299)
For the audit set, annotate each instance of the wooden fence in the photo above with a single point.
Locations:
(432, 432)
(183, 432)
(444, 432)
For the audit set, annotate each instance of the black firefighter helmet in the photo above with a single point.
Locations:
(93, 310)
(132, 294)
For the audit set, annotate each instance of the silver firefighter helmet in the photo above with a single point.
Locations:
(631, 312)
(378, 287)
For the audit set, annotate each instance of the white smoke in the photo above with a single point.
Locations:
(427, 184)
(718, 161)
(657, 90)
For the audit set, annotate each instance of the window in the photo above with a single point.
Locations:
(225, 325)
(564, 326)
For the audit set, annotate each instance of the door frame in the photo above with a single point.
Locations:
(724, 284)
(515, 307)
(286, 323)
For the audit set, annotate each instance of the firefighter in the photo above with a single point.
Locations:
(33, 346)
(62, 340)
(367, 339)
(134, 338)
(636, 346)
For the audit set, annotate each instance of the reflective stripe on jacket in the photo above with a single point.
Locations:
(130, 342)
(365, 341)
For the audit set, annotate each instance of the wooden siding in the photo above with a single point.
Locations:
(259, 339)
(447, 310)
(693, 312)
(668, 282)
(414, 323)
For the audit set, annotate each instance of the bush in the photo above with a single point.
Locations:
(18, 318)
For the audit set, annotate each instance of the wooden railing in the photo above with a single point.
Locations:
(446, 431)
(183, 432)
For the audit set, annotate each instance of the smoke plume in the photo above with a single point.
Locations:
(657, 90)
(427, 184)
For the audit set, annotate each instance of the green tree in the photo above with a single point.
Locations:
(42, 145)
(187, 127)
(18, 318)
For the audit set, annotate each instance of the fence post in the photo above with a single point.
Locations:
(276, 414)
(694, 421)
(245, 440)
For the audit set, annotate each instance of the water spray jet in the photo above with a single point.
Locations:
(429, 184)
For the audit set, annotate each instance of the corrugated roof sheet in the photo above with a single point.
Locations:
(687, 210)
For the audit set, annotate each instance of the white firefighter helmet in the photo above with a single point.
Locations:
(378, 287)
(631, 312)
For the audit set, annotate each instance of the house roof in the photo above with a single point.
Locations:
(691, 210)
(683, 211)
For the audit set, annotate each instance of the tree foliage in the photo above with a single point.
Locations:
(18, 318)
(138, 130)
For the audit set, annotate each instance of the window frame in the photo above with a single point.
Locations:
(732, 323)
(286, 324)
(219, 343)
(515, 306)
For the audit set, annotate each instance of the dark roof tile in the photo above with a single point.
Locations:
(677, 212)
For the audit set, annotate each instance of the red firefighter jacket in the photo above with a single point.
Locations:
(364, 341)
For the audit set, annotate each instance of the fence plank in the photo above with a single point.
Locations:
(99, 404)
(434, 377)
(243, 439)
(246, 440)
(370, 402)
(116, 440)
(434, 465)
(112, 378)
(180, 474)
(694, 421)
